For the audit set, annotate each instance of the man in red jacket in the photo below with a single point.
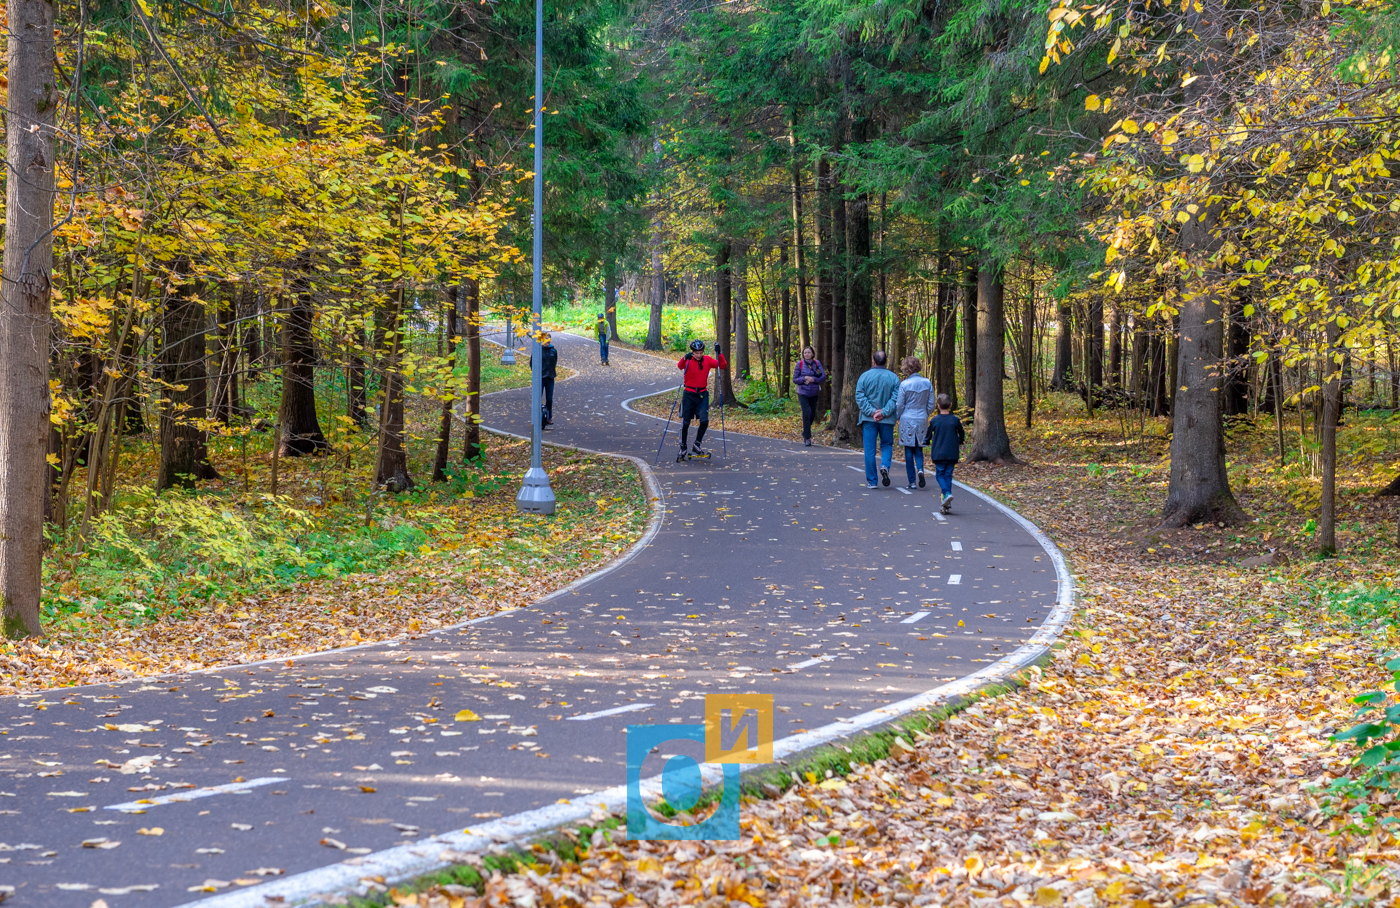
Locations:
(695, 399)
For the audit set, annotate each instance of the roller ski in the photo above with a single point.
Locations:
(699, 453)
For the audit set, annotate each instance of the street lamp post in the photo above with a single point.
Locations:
(535, 496)
(508, 357)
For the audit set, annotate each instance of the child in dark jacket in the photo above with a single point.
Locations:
(946, 436)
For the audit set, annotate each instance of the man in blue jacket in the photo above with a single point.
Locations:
(875, 396)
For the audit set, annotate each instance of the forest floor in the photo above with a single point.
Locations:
(1176, 749)
(231, 574)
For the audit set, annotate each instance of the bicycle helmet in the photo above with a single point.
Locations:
(697, 346)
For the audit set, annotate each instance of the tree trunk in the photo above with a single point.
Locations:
(989, 439)
(825, 283)
(946, 320)
(610, 298)
(1199, 486)
(25, 312)
(1094, 348)
(841, 291)
(1331, 413)
(859, 310)
(226, 356)
(970, 290)
(1028, 350)
(301, 429)
(740, 358)
(357, 395)
(391, 469)
(1115, 349)
(724, 306)
(249, 337)
(784, 362)
(444, 440)
(800, 255)
(1064, 348)
(471, 336)
(1236, 378)
(658, 289)
(184, 446)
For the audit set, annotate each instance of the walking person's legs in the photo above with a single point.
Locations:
(548, 384)
(809, 413)
(909, 453)
(919, 462)
(870, 430)
(886, 444)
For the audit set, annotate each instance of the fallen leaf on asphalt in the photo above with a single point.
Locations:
(101, 842)
(154, 830)
(333, 843)
(467, 715)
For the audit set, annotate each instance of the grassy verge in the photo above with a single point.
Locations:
(1175, 750)
(231, 573)
(678, 324)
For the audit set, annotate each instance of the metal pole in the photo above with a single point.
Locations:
(535, 495)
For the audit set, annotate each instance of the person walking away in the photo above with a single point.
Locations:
(912, 408)
(808, 376)
(875, 395)
(549, 361)
(695, 367)
(602, 329)
(946, 436)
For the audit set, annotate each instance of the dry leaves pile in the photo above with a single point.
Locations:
(1168, 755)
(507, 560)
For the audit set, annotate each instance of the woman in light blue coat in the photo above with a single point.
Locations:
(913, 406)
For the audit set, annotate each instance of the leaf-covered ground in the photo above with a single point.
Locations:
(1172, 752)
(221, 577)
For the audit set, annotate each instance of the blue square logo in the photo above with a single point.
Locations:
(681, 787)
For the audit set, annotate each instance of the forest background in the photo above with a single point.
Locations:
(250, 257)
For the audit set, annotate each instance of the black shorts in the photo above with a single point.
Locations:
(695, 405)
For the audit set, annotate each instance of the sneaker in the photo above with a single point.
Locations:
(806, 442)
(911, 486)
(681, 456)
(884, 477)
(947, 503)
(872, 486)
(921, 479)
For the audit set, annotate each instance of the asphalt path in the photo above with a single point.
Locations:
(772, 570)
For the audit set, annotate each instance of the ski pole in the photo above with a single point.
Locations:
(667, 429)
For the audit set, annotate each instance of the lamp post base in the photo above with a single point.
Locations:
(535, 495)
(508, 357)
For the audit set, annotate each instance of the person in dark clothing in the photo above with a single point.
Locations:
(808, 376)
(549, 361)
(602, 329)
(946, 436)
(695, 395)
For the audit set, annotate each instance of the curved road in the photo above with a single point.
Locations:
(773, 571)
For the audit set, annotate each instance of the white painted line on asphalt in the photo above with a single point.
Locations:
(940, 518)
(957, 546)
(810, 662)
(955, 579)
(630, 708)
(856, 468)
(915, 618)
(905, 491)
(194, 793)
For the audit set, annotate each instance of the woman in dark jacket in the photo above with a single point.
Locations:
(808, 377)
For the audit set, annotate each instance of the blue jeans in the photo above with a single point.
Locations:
(913, 462)
(884, 431)
(603, 350)
(943, 472)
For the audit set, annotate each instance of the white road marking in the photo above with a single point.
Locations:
(940, 518)
(856, 468)
(914, 618)
(631, 707)
(810, 662)
(957, 546)
(194, 793)
(955, 579)
(904, 490)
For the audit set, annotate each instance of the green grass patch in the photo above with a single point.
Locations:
(679, 325)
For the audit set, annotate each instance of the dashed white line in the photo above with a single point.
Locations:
(957, 546)
(940, 518)
(194, 793)
(914, 618)
(810, 662)
(631, 707)
(954, 579)
(904, 490)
